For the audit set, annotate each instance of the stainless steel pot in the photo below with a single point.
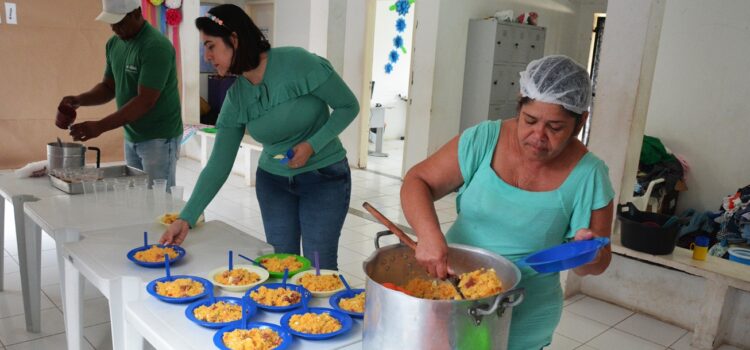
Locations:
(394, 320)
(70, 155)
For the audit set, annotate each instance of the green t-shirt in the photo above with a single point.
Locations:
(146, 60)
(290, 106)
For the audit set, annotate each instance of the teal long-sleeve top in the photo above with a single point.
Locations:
(289, 106)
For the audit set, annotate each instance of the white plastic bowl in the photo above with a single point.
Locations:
(232, 288)
(295, 279)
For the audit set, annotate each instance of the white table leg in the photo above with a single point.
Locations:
(60, 239)
(124, 336)
(248, 165)
(204, 150)
(72, 301)
(29, 237)
(2, 243)
(254, 159)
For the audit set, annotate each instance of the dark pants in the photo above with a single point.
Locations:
(311, 205)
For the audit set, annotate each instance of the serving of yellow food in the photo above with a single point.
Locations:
(155, 254)
(275, 264)
(479, 284)
(431, 289)
(252, 339)
(219, 312)
(355, 304)
(179, 288)
(169, 218)
(276, 296)
(322, 283)
(312, 323)
(237, 277)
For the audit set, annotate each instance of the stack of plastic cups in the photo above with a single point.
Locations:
(122, 190)
(139, 192)
(100, 190)
(160, 194)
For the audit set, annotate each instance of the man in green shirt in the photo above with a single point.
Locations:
(141, 75)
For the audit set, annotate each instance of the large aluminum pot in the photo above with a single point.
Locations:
(70, 155)
(394, 320)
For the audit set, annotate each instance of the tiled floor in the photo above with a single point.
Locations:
(586, 323)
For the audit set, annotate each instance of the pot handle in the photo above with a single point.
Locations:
(98, 155)
(380, 234)
(510, 298)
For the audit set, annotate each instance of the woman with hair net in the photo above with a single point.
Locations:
(524, 184)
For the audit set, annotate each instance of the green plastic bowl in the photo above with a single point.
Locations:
(305, 264)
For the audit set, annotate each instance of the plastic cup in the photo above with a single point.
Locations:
(66, 114)
(160, 185)
(177, 192)
(121, 192)
(100, 188)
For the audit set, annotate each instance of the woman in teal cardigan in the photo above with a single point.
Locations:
(282, 97)
(524, 184)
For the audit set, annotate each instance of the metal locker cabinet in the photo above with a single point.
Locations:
(495, 53)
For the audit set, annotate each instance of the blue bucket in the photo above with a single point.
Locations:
(740, 255)
(564, 256)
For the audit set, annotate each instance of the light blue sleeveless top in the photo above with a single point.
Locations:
(512, 222)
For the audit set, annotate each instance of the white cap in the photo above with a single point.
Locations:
(114, 11)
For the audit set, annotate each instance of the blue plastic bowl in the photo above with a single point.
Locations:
(740, 255)
(151, 289)
(286, 338)
(189, 312)
(306, 295)
(336, 298)
(180, 254)
(344, 319)
(564, 256)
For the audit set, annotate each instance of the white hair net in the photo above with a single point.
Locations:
(557, 79)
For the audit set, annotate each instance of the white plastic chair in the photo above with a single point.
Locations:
(644, 201)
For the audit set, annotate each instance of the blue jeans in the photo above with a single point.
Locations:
(311, 205)
(157, 157)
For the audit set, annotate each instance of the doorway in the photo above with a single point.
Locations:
(389, 87)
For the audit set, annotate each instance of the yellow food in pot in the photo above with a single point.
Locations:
(155, 254)
(276, 296)
(322, 283)
(252, 339)
(237, 277)
(179, 288)
(479, 284)
(355, 304)
(312, 323)
(220, 312)
(275, 264)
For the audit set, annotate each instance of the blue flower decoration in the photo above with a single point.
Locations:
(393, 56)
(388, 68)
(398, 41)
(402, 7)
(400, 25)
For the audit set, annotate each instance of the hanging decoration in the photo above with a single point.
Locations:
(165, 16)
(401, 7)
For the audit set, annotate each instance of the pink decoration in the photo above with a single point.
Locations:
(174, 17)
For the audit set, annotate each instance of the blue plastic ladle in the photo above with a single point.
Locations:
(245, 313)
(346, 284)
(250, 260)
(145, 239)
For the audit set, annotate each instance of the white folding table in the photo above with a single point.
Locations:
(100, 256)
(18, 191)
(64, 218)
